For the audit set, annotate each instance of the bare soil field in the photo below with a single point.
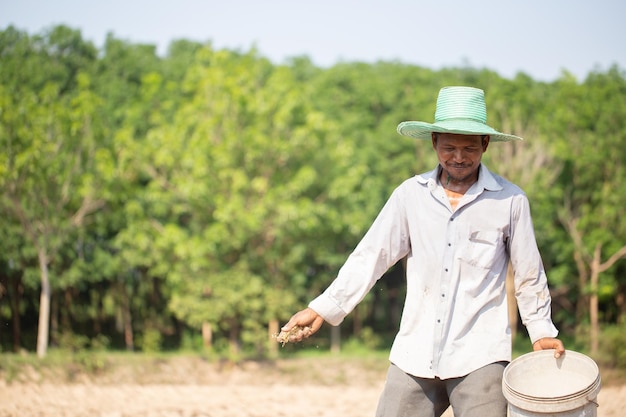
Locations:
(193, 387)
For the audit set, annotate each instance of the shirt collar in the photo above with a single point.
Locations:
(486, 180)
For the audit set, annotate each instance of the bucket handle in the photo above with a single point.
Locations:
(593, 401)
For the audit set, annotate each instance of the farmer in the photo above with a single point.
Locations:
(458, 226)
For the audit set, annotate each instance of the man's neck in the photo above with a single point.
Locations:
(459, 187)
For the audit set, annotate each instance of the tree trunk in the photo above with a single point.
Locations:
(272, 330)
(593, 300)
(129, 337)
(10, 290)
(597, 267)
(207, 335)
(233, 338)
(335, 339)
(357, 322)
(98, 320)
(581, 259)
(54, 319)
(15, 301)
(583, 298)
(44, 305)
(66, 312)
(620, 302)
(511, 301)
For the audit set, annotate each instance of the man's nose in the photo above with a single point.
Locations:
(458, 156)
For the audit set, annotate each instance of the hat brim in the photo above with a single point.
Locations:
(423, 130)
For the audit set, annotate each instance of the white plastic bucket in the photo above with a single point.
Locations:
(538, 385)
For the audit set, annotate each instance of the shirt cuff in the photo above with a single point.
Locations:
(326, 307)
(540, 329)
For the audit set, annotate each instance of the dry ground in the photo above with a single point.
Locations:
(192, 387)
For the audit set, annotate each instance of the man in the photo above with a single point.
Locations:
(458, 227)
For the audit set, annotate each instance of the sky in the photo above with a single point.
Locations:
(541, 38)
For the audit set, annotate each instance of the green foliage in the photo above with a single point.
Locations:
(150, 340)
(89, 363)
(366, 339)
(214, 187)
(613, 346)
(73, 342)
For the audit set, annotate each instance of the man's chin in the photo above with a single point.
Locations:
(459, 175)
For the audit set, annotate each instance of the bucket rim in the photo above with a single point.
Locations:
(555, 403)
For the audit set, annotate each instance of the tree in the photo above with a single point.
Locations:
(48, 144)
(592, 186)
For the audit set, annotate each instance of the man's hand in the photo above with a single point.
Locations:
(309, 322)
(550, 343)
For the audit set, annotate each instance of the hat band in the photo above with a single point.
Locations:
(461, 119)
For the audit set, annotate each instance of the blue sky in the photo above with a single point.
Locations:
(538, 37)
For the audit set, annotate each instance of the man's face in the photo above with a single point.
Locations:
(460, 155)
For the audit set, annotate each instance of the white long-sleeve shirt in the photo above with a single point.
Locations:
(455, 319)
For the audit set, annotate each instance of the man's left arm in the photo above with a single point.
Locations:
(531, 284)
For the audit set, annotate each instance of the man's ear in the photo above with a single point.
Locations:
(433, 138)
(485, 140)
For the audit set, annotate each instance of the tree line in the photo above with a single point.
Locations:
(165, 202)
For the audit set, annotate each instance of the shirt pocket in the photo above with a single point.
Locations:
(483, 248)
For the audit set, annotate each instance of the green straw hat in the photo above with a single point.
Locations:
(460, 110)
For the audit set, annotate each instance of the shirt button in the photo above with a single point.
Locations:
(449, 244)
